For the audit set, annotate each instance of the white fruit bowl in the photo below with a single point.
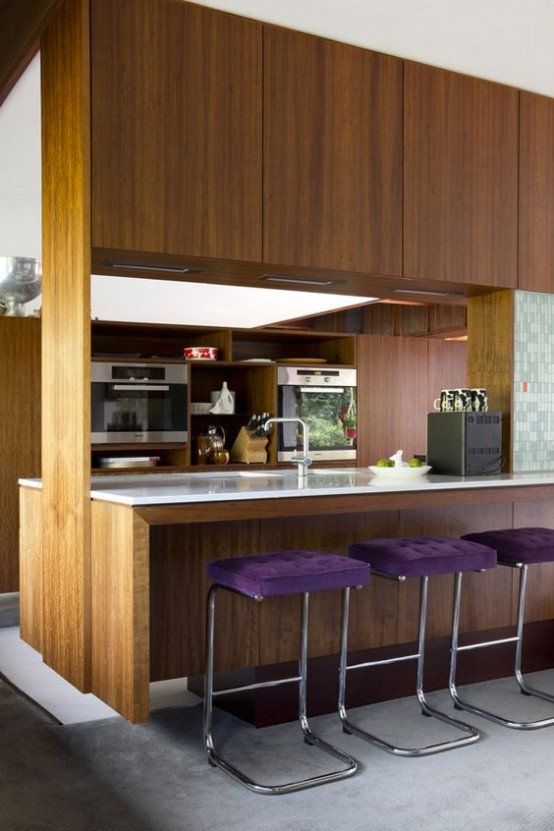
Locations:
(403, 472)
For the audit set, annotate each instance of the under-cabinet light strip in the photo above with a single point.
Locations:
(429, 293)
(301, 281)
(147, 267)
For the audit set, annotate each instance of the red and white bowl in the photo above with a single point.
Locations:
(200, 353)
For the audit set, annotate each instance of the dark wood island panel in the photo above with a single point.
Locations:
(149, 580)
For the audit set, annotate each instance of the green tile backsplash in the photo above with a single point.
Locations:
(533, 385)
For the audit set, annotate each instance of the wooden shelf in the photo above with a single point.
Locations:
(253, 381)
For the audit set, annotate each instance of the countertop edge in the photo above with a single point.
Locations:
(193, 488)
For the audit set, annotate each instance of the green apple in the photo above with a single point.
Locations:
(384, 463)
(415, 463)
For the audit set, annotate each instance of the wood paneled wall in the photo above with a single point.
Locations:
(30, 561)
(399, 379)
(19, 431)
(66, 343)
(491, 356)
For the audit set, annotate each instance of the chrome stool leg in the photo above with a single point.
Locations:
(518, 640)
(310, 737)
(472, 734)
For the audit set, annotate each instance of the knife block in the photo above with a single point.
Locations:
(249, 449)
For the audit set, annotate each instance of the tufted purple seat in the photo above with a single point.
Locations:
(288, 572)
(518, 545)
(423, 555)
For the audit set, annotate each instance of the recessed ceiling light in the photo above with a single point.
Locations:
(151, 300)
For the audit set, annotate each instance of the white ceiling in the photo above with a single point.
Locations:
(509, 41)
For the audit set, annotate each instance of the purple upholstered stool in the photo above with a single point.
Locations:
(398, 559)
(518, 548)
(269, 575)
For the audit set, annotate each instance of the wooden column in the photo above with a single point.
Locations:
(490, 357)
(66, 343)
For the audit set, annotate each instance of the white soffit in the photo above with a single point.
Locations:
(201, 304)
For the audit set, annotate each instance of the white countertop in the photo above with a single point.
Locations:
(222, 486)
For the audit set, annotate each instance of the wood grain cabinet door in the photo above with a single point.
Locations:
(176, 129)
(536, 193)
(460, 178)
(332, 154)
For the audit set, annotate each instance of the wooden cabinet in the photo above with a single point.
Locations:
(401, 376)
(392, 399)
(332, 154)
(460, 178)
(176, 129)
(247, 361)
(536, 193)
(19, 431)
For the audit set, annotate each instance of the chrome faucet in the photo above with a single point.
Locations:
(301, 461)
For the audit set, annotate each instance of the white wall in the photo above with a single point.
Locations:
(20, 201)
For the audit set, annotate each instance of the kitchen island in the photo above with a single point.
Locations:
(153, 534)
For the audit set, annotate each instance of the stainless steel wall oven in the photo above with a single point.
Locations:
(325, 398)
(138, 402)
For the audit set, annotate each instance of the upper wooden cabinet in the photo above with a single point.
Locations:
(332, 154)
(176, 129)
(536, 193)
(460, 178)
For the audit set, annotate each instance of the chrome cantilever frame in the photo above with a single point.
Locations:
(217, 760)
(472, 734)
(517, 639)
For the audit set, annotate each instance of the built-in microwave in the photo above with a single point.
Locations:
(325, 398)
(138, 402)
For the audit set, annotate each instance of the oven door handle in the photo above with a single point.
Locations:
(140, 387)
(330, 390)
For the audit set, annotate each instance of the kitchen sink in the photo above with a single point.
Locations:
(332, 471)
(259, 474)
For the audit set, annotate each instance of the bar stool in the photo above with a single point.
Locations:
(518, 548)
(270, 575)
(398, 559)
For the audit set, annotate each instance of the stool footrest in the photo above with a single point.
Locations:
(258, 685)
(384, 661)
(469, 646)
